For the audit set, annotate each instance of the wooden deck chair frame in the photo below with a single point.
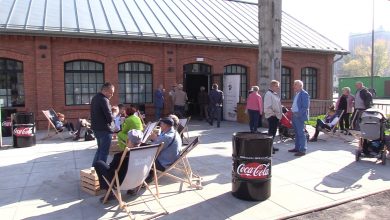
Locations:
(148, 130)
(183, 166)
(185, 132)
(49, 114)
(131, 174)
(332, 131)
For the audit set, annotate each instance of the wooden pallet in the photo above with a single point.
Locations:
(89, 182)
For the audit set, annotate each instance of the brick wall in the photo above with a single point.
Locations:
(44, 57)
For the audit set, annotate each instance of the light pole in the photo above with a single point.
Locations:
(372, 44)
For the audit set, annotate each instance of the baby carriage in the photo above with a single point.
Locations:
(372, 141)
(286, 129)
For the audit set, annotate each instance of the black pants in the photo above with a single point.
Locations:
(273, 122)
(102, 169)
(320, 125)
(344, 121)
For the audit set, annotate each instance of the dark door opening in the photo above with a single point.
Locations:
(193, 82)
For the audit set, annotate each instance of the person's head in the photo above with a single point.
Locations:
(215, 86)
(175, 119)
(61, 116)
(298, 85)
(180, 86)
(255, 89)
(166, 124)
(134, 138)
(202, 88)
(131, 110)
(359, 85)
(108, 90)
(122, 109)
(115, 110)
(274, 85)
(346, 90)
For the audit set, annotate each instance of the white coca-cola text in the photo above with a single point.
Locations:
(253, 170)
(7, 123)
(23, 131)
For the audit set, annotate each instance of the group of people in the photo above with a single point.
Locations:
(210, 104)
(272, 111)
(106, 121)
(348, 104)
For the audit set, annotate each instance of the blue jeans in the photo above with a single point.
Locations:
(158, 112)
(300, 138)
(254, 116)
(104, 142)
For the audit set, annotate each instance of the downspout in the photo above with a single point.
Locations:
(333, 74)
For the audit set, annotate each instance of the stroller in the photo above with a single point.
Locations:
(286, 129)
(372, 142)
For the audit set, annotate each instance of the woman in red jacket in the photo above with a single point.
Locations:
(254, 107)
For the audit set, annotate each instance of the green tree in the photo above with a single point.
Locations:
(359, 64)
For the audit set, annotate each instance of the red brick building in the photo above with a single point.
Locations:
(56, 63)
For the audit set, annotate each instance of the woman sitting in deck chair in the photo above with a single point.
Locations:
(331, 120)
(108, 171)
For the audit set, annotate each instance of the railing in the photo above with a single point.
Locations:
(383, 107)
(319, 107)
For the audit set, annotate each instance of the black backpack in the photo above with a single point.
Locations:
(89, 135)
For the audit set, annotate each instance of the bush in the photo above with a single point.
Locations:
(313, 120)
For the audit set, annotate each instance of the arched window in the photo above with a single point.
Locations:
(83, 79)
(135, 82)
(285, 84)
(242, 71)
(309, 79)
(11, 83)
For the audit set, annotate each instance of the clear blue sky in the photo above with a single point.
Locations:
(336, 19)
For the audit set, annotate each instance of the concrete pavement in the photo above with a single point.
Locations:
(42, 182)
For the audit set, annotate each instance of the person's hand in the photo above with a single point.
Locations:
(153, 136)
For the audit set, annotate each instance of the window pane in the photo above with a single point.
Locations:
(135, 79)
(68, 78)
(11, 83)
(82, 78)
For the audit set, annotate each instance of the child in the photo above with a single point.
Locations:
(63, 123)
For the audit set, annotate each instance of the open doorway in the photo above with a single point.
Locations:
(193, 82)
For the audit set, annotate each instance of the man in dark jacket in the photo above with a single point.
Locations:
(203, 101)
(102, 120)
(363, 101)
(216, 101)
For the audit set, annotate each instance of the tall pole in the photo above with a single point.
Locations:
(372, 44)
(270, 49)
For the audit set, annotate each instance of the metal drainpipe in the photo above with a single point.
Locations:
(334, 61)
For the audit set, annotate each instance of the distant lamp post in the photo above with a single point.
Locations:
(372, 44)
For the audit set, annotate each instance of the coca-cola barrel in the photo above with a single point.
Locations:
(251, 173)
(24, 129)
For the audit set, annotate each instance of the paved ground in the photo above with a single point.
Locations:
(42, 182)
(371, 207)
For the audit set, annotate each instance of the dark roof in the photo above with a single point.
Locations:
(198, 21)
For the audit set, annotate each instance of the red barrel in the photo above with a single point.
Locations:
(24, 129)
(251, 174)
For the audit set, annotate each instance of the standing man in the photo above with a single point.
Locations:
(203, 100)
(101, 121)
(179, 101)
(159, 101)
(273, 108)
(363, 101)
(300, 109)
(216, 100)
(254, 106)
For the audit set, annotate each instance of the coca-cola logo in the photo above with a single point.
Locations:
(23, 131)
(253, 170)
(7, 123)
